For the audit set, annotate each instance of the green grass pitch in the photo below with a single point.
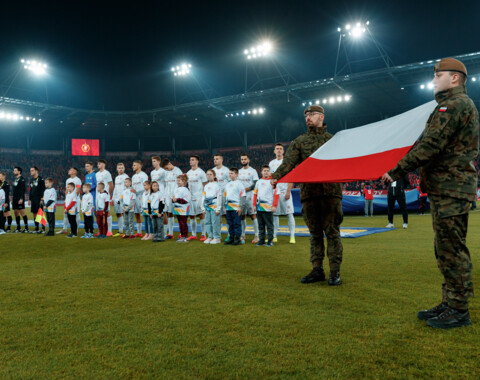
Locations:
(112, 308)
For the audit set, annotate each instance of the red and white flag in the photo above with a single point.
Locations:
(363, 153)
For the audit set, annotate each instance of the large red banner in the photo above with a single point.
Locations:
(85, 147)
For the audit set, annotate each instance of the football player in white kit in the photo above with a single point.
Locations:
(137, 187)
(249, 177)
(172, 172)
(197, 179)
(285, 203)
(158, 175)
(104, 176)
(117, 194)
(72, 172)
(222, 174)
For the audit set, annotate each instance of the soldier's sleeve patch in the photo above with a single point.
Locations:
(443, 109)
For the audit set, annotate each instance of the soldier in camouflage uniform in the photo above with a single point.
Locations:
(444, 153)
(321, 202)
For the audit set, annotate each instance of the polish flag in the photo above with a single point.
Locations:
(363, 153)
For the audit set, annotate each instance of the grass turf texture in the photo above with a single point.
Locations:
(75, 308)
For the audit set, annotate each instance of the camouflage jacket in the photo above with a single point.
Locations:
(298, 151)
(447, 148)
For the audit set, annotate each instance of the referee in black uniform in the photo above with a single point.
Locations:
(37, 188)
(18, 202)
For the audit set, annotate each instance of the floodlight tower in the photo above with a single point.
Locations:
(353, 33)
(261, 53)
(181, 70)
(37, 68)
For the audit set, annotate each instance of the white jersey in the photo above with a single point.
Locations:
(128, 200)
(87, 204)
(265, 196)
(138, 181)
(248, 177)
(182, 208)
(155, 199)
(2, 199)
(196, 179)
(71, 197)
(233, 193)
(171, 181)
(78, 185)
(222, 176)
(158, 176)
(119, 186)
(274, 165)
(50, 195)
(102, 201)
(104, 177)
(212, 195)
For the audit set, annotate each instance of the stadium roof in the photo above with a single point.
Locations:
(209, 123)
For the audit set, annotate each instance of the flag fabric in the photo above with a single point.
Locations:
(85, 147)
(40, 218)
(363, 153)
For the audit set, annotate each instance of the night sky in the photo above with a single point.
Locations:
(118, 57)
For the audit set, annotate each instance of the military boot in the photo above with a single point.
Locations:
(237, 241)
(229, 241)
(450, 318)
(425, 315)
(317, 274)
(334, 279)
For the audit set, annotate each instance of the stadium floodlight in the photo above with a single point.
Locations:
(13, 116)
(254, 111)
(334, 99)
(262, 50)
(355, 31)
(474, 79)
(36, 67)
(181, 70)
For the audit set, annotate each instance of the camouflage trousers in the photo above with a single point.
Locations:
(450, 223)
(323, 215)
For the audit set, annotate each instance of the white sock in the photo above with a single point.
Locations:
(244, 227)
(120, 224)
(139, 228)
(109, 223)
(255, 226)
(291, 225)
(170, 225)
(165, 230)
(193, 226)
(65, 222)
(202, 225)
(276, 222)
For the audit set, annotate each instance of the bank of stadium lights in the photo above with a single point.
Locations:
(12, 116)
(429, 85)
(36, 67)
(181, 70)
(259, 51)
(252, 112)
(329, 100)
(356, 31)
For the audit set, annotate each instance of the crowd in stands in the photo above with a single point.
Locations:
(56, 166)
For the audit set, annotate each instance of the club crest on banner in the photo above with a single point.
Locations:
(85, 148)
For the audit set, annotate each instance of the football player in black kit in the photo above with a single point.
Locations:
(37, 188)
(6, 211)
(18, 203)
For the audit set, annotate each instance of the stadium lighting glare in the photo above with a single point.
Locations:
(430, 86)
(331, 100)
(422, 86)
(262, 50)
(474, 79)
(355, 31)
(13, 116)
(36, 67)
(254, 111)
(181, 70)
